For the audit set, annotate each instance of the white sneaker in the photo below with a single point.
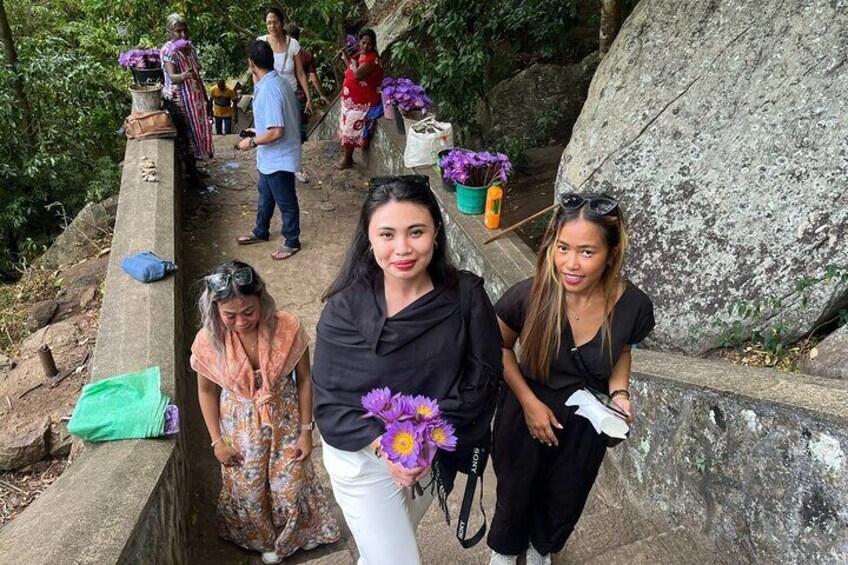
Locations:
(536, 558)
(498, 559)
(310, 546)
(271, 558)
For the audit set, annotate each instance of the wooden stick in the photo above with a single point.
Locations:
(10, 487)
(522, 223)
(29, 390)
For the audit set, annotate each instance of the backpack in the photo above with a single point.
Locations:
(479, 389)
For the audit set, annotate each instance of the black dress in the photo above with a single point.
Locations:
(542, 490)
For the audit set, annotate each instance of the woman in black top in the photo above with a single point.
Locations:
(393, 319)
(576, 320)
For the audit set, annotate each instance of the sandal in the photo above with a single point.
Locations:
(249, 240)
(284, 252)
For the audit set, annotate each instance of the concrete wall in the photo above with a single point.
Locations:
(124, 502)
(754, 460)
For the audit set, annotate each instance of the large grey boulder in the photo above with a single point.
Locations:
(83, 235)
(830, 357)
(542, 94)
(723, 128)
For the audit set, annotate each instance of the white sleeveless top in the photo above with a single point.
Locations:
(284, 62)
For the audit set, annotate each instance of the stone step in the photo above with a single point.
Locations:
(603, 529)
(672, 547)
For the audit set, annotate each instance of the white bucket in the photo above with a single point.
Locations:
(146, 97)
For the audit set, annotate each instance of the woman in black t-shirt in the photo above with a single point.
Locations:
(576, 320)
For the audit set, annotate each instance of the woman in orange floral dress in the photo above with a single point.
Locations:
(259, 418)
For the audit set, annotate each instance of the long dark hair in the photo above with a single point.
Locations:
(546, 313)
(359, 263)
(368, 32)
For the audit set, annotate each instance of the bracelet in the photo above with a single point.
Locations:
(620, 392)
(308, 427)
(216, 442)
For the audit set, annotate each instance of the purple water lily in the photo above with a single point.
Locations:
(415, 429)
(402, 443)
(405, 94)
(140, 59)
(425, 409)
(481, 168)
(376, 401)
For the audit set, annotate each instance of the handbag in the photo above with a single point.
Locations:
(154, 124)
(424, 140)
(147, 267)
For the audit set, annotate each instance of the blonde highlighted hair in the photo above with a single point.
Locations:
(546, 315)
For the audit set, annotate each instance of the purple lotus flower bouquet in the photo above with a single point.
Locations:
(405, 94)
(415, 429)
(480, 168)
(140, 59)
(180, 44)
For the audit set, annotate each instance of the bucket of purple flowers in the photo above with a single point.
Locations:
(145, 64)
(410, 99)
(473, 173)
(415, 429)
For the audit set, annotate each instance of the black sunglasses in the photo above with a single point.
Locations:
(608, 403)
(600, 205)
(221, 281)
(419, 180)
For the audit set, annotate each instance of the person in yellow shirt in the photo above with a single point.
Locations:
(224, 107)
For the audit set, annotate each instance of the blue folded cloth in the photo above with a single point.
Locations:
(147, 266)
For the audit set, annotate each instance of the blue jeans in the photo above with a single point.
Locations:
(225, 124)
(278, 188)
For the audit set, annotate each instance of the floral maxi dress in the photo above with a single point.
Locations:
(270, 502)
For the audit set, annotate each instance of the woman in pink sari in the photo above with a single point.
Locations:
(184, 92)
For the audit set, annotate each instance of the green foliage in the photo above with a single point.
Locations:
(736, 326)
(468, 42)
(68, 62)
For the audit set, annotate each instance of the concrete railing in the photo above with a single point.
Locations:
(124, 502)
(752, 459)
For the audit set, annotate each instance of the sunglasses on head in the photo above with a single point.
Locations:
(600, 205)
(419, 180)
(221, 281)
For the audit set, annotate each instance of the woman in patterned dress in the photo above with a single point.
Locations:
(361, 103)
(259, 417)
(184, 92)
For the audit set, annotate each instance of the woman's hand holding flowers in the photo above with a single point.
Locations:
(540, 421)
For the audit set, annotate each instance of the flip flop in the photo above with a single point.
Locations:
(286, 251)
(249, 240)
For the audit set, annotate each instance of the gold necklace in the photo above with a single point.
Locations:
(583, 310)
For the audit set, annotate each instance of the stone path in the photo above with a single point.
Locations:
(214, 218)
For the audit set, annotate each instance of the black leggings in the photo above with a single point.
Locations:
(541, 490)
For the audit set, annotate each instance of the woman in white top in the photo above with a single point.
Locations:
(288, 61)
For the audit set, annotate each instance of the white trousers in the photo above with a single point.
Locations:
(382, 516)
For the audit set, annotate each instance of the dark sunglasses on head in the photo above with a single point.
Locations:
(600, 205)
(420, 180)
(221, 281)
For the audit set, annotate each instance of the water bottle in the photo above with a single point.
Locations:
(494, 199)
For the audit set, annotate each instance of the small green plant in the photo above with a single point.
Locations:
(701, 464)
(770, 342)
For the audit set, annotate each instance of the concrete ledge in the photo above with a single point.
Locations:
(124, 502)
(752, 459)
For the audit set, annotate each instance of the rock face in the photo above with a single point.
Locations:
(549, 96)
(831, 359)
(22, 445)
(722, 128)
(79, 240)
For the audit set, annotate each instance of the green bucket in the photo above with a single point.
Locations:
(471, 199)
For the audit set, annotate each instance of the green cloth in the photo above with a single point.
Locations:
(123, 407)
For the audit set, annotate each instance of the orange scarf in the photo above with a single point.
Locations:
(279, 351)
